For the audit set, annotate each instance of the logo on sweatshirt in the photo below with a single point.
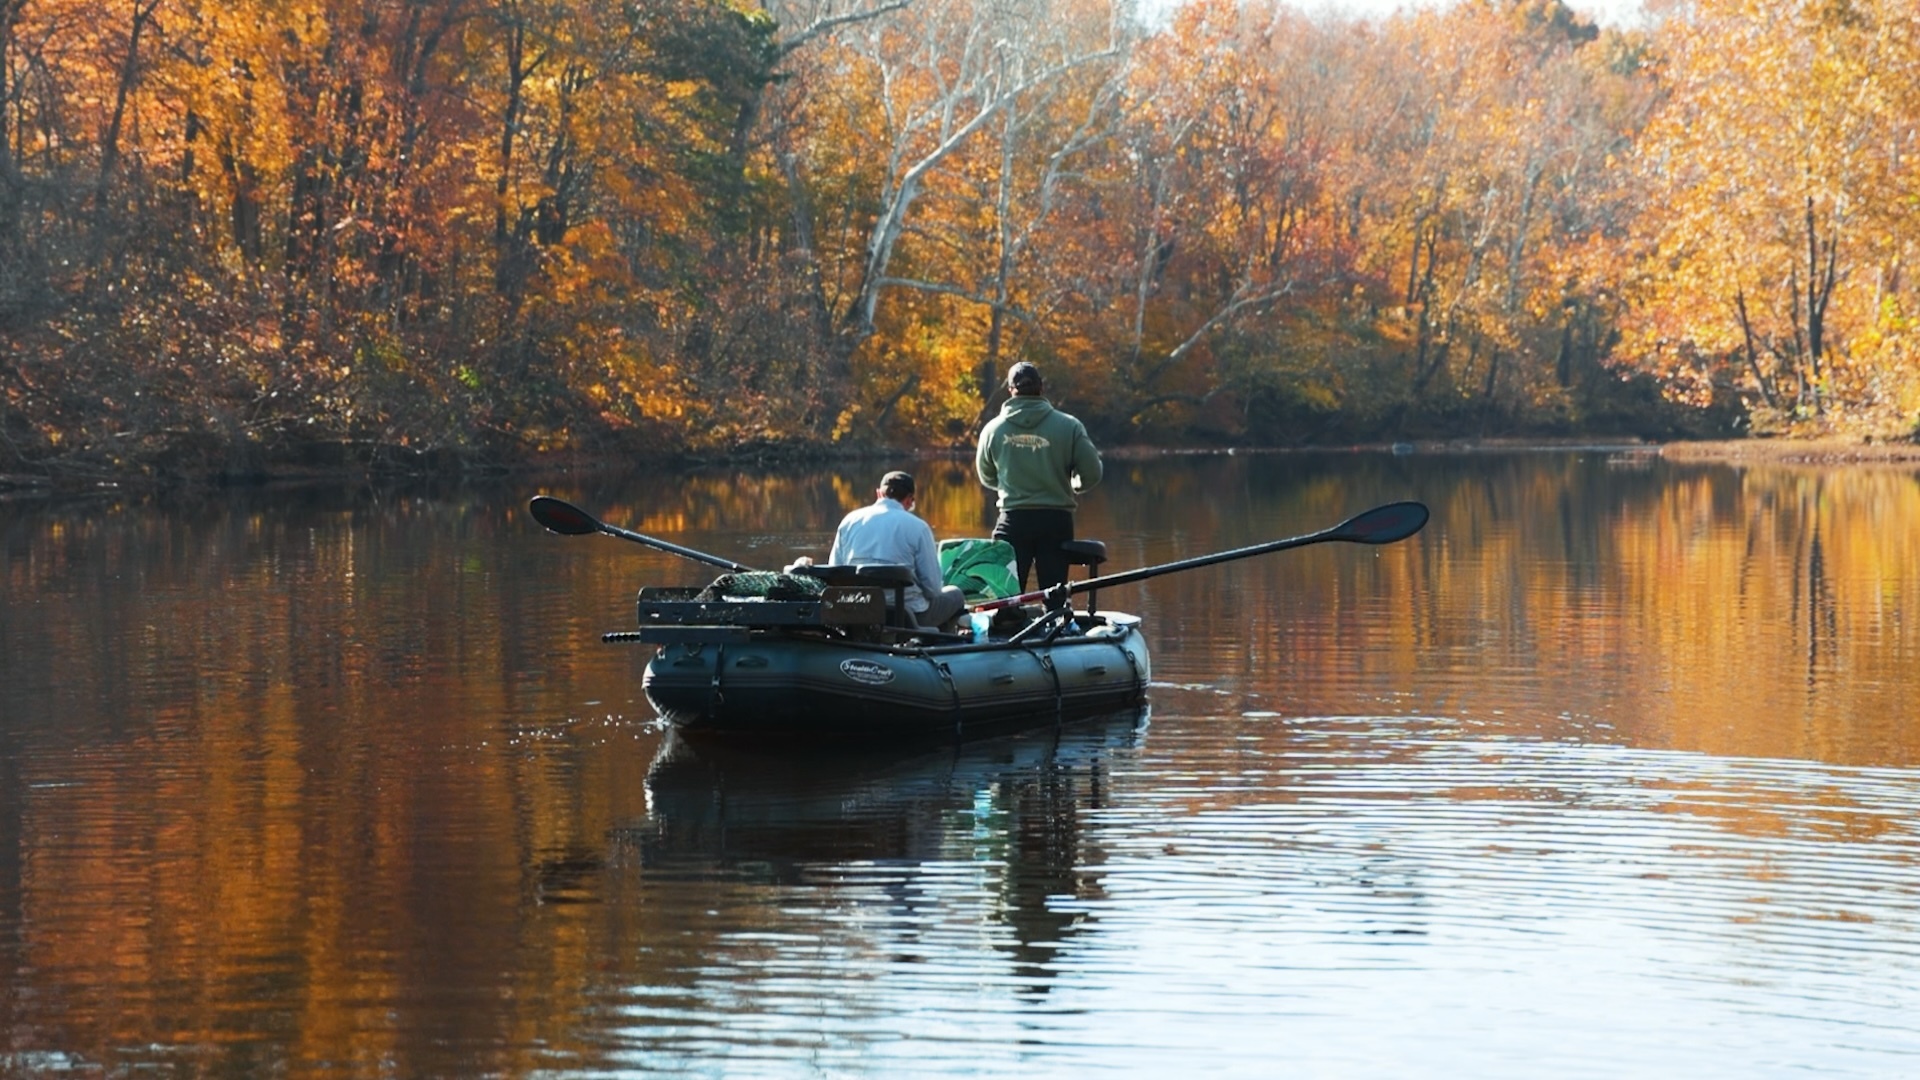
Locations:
(1035, 443)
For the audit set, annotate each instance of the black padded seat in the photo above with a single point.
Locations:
(1090, 554)
(885, 576)
(896, 578)
(1084, 552)
(832, 573)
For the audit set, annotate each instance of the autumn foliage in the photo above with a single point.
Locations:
(237, 235)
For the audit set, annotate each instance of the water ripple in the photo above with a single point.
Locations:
(1507, 906)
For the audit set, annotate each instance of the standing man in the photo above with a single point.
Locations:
(887, 532)
(1038, 458)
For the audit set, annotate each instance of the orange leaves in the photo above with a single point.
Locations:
(560, 217)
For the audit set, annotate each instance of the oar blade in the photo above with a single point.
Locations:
(558, 515)
(1383, 524)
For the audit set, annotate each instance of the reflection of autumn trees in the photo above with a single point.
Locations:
(1801, 575)
(302, 769)
(322, 786)
(1765, 612)
(297, 775)
(235, 234)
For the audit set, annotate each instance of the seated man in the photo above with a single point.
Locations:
(887, 532)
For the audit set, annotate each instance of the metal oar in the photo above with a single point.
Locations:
(1380, 525)
(558, 515)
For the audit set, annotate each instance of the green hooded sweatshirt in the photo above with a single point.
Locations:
(1036, 456)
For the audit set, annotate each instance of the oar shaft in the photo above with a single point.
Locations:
(688, 553)
(1128, 577)
(1381, 525)
(558, 515)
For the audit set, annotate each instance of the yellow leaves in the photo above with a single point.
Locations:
(1768, 190)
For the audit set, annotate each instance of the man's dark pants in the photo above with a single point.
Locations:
(1036, 535)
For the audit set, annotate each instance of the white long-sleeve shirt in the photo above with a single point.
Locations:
(888, 534)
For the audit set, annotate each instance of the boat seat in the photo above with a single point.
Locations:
(894, 578)
(832, 573)
(1088, 553)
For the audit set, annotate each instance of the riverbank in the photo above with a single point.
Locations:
(1730, 451)
(1793, 452)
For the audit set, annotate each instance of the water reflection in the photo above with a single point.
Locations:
(1013, 805)
(1203, 897)
(723, 802)
(1614, 762)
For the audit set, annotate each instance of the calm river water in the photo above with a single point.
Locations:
(1614, 770)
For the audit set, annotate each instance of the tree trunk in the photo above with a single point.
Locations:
(1751, 350)
(110, 143)
(11, 272)
(987, 371)
(9, 16)
(1821, 274)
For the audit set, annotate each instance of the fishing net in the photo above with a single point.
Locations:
(762, 585)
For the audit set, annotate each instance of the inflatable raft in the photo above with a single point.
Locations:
(833, 664)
